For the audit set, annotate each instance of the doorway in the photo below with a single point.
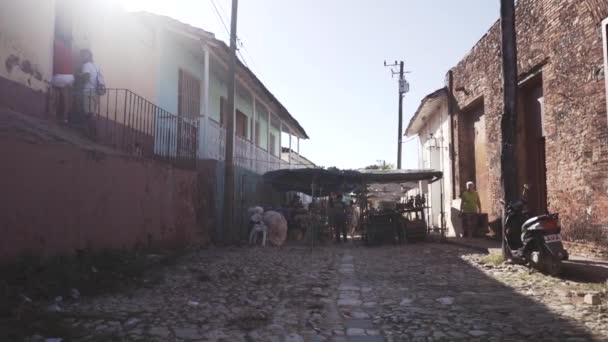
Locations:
(473, 159)
(530, 147)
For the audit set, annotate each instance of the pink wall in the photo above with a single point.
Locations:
(57, 196)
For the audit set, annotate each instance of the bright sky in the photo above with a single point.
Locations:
(323, 59)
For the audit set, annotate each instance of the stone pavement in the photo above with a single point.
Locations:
(420, 292)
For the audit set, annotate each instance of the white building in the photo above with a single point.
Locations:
(431, 123)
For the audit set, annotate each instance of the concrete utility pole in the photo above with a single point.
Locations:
(229, 231)
(404, 87)
(509, 116)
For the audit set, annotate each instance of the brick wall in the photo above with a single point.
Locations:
(563, 41)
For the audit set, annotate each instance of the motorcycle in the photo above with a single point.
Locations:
(533, 240)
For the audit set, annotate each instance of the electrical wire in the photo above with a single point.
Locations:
(220, 17)
(240, 42)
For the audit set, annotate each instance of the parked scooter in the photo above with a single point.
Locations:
(533, 240)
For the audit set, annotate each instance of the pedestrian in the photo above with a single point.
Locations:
(470, 207)
(340, 219)
(63, 76)
(92, 86)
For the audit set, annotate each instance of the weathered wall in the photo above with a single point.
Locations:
(563, 40)
(126, 50)
(59, 194)
(176, 55)
(433, 157)
(26, 48)
(250, 190)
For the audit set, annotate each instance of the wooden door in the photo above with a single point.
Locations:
(481, 160)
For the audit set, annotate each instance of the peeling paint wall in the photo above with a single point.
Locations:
(26, 42)
(26, 48)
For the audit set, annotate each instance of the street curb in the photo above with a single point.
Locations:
(466, 245)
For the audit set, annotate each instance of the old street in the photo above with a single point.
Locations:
(421, 292)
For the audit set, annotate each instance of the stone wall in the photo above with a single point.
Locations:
(562, 41)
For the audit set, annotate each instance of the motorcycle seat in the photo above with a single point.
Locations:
(534, 220)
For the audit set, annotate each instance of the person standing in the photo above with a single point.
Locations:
(63, 76)
(92, 86)
(470, 207)
(340, 218)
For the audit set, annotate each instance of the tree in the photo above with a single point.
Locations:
(380, 165)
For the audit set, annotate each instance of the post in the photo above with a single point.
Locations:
(268, 164)
(206, 107)
(400, 133)
(229, 234)
(255, 119)
(280, 143)
(289, 146)
(451, 114)
(509, 117)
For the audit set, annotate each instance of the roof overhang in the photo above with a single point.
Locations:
(429, 106)
(222, 52)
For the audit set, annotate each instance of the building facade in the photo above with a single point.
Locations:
(562, 136)
(431, 125)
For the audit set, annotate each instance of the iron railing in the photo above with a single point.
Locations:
(128, 122)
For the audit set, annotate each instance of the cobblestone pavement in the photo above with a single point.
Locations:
(422, 292)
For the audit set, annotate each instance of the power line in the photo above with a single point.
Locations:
(223, 22)
(220, 17)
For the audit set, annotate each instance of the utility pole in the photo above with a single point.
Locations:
(509, 116)
(404, 87)
(228, 231)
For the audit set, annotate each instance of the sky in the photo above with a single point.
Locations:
(323, 59)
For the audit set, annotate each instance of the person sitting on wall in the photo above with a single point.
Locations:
(470, 207)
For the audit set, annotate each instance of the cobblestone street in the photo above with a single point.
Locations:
(422, 292)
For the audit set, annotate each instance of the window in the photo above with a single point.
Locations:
(240, 125)
(222, 111)
(257, 133)
(189, 94)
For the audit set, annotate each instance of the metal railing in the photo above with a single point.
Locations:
(246, 154)
(128, 122)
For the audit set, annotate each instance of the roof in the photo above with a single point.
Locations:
(428, 106)
(223, 51)
(163, 19)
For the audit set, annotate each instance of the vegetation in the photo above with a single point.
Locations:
(380, 165)
(492, 259)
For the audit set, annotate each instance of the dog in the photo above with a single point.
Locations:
(257, 225)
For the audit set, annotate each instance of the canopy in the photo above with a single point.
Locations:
(324, 181)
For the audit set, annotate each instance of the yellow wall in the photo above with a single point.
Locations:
(26, 34)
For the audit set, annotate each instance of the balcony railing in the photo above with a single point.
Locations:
(246, 154)
(126, 121)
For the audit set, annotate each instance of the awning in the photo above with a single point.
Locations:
(324, 182)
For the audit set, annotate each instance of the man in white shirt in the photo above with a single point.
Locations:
(91, 85)
(90, 72)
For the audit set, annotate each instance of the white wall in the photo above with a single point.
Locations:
(126, 50)
(438, 158)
